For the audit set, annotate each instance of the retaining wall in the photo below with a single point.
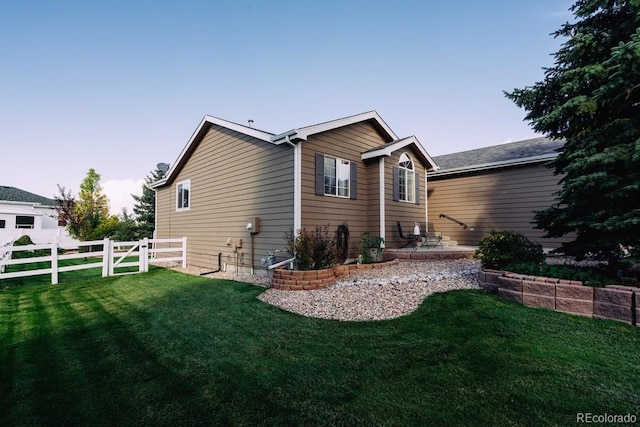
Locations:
(614, 302)
(434, 255)
(295, 280)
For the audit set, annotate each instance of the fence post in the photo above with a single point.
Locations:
(184, 252)
(54, 263)
(153, 243)
(106, 257)
(143, 254)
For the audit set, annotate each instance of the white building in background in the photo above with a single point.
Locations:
(22, 212)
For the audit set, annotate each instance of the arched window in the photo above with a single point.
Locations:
(406, 179)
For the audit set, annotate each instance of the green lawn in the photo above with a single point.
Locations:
(164, 348)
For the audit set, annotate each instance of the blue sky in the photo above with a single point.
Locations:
(119, 86)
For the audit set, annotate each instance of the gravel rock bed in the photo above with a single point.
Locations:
(378, 294)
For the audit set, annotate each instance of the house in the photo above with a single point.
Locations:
(22, 212)
(494, 188)
(21, 209)
(236, 190)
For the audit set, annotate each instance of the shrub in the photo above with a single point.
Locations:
(502, 248)
(312, 250)
(588, 276)
(370, 245)
(25, 240)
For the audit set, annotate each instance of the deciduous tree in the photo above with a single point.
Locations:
(65, 206)
(83, 215)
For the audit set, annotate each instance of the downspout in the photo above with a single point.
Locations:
(297, 185)
(382, 201)
(426, 201)
(219, 266)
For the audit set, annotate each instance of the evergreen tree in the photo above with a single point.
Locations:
(145, 206)
(127, 229)
(590, 98)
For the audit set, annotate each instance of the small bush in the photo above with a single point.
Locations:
(370, 245)
(502, 248)
(25, 240)
(313, 250)
(588, 276)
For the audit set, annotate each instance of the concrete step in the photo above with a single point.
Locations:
(446, 242)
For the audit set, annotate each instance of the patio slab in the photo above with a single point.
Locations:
(430, 254)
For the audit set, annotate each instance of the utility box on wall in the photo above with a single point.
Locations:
(253, 225)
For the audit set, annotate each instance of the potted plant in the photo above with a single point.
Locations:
(371, 247)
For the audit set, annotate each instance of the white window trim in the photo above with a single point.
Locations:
(178, 184)
(410, 193)
(348, 167)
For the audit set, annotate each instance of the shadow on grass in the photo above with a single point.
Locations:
(166, 348)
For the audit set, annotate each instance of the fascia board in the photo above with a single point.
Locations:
(282, 137)
(7, 210)
(258, 134)
(158, 183)
(305, 132)
(495, 165)
(397, 145)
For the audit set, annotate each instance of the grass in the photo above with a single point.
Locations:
(163, 348)
(63, 277)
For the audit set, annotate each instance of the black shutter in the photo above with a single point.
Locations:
(417, 188)
(319, 174)
(353, 185)
(396, 184)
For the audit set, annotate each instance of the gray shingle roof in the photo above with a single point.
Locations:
(14, 194)
(527, 151)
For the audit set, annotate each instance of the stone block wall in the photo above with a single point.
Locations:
(295, 280)
(616, 302)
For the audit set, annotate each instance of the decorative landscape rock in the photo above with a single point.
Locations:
(378, 293)
(295, 280)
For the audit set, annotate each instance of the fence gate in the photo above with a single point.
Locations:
(128, 254)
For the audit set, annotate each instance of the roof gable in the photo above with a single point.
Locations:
(391, 147)
(304, 132)
(298, 134)
(535, 150)
(200, 133)
(13, 194)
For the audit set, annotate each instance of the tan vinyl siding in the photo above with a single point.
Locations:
(499, 199)
(360, 215)
(373, 196)
(406, 212)
(233, 177)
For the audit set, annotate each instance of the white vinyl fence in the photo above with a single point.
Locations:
(5, 253)
(113, 256)
(41, 236)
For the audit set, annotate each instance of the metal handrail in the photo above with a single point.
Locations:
(460, 223)
(281, 263)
